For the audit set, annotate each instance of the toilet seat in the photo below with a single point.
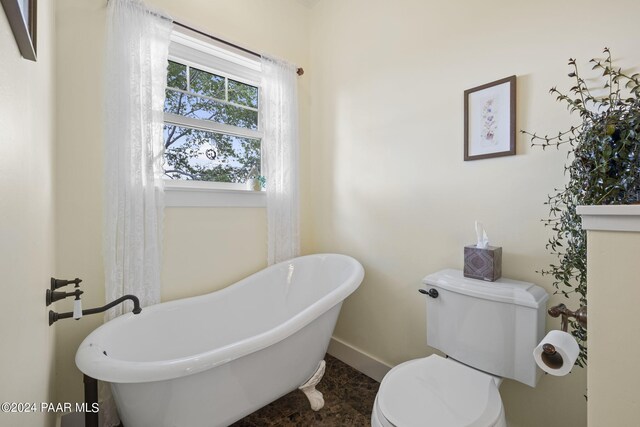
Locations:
(439, 392)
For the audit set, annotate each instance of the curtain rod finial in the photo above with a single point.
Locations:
(300, 71)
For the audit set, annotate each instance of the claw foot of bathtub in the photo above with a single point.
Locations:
(309, 388)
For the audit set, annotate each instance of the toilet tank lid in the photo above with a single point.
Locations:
(502, 290)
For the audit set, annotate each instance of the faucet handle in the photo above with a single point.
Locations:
(53, 296)
(77, 308)
(58, 283)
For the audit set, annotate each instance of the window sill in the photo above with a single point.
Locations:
(211, 195)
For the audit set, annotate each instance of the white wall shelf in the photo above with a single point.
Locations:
(610, 217)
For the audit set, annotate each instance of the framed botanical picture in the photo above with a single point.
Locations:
(490, 120)
(22, 16)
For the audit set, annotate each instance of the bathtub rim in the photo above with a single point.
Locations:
(92, 362)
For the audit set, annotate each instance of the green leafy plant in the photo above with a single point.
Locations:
(603, 169)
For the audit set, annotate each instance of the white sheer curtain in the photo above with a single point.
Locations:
(280, 158)
(135, 79)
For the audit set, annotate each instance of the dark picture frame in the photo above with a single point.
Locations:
(23, 20)
(490, 120)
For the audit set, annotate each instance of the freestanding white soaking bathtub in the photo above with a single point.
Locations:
(213, 359)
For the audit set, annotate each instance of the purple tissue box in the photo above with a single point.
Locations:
(483, 263)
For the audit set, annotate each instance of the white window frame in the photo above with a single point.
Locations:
(208, 56)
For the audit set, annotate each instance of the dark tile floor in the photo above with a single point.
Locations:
(348, 401)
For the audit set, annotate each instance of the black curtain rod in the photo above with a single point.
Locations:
(300, 71)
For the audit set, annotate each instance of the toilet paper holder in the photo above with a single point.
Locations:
(550, 357)
(561, 310)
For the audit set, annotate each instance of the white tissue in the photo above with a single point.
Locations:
(566, 346)
(481, 234)
(77, 309)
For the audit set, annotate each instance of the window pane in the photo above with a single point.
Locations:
(194, 154)
(176, 102)
(243, 94)
(206, 84)
(177, 75)
(206, 109)
(241, 117)
(194, 106)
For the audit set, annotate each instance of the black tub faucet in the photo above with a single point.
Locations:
(54, 317)
(53, 296)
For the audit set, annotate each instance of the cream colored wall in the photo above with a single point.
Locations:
(79, 36)
(26, 220)
(219, 247)
(614, 350)
(389, 183)
(204, 248)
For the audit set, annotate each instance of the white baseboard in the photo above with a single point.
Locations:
(358, 359)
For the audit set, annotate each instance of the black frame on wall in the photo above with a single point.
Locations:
(23, 18)
(511, 150)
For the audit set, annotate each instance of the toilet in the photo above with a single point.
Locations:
(487, 332)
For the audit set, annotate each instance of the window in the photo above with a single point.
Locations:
(212, 130)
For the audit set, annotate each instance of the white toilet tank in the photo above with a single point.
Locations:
(490, 326)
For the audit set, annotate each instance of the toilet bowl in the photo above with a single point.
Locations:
(438, 392)
(488, 331)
